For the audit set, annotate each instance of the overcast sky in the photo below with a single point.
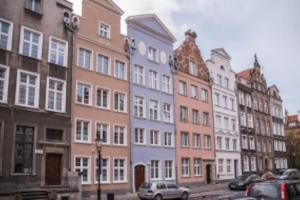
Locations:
(270, 28)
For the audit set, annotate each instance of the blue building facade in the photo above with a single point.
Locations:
(152, 97)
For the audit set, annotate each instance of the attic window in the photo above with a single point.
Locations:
(222, 67)
(104, 30)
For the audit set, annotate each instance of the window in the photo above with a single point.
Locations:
(249, 100)
(226, 82)
(183, 114)
(205, 118)
(28, 90)
(85, 58)
(166, 84)
(104, 30)
(103, 98)
(139, 106)
(218, 121)
(220, 165)
(139, 137)
(152, 54)
(226, 123)
(225, 102)
(253, 163)
(58, 51)
(167, 112)
(243, 119)
(153, 80)
(120, 174)
(197, 167)
(185, 139)
(195, 116)
(193, 67)
(102, 132)
(185, 164)
(119, 135)
(6, 29)
(194, 92)
(138, 75)
(83, 93)
(219, 79)
(154, 137)
(250, 120)
(53, 135)
(246, 163)
(219, 142)
(33, 5)
(217, 99)
(197, 140)
(232, 103)
(169, 169)
(251, 142)
(154, 170)
(227, 140)
(83, 131)
(153, 110)
(244, 142)
(104, 170)
(120, 103)
(24, 149)
(234, 144)
(233, 124)
(4, 74)
(241, 97)
(182, 88)
(207, 142)
(120, 70)
(228, 161)
(103, 65)
(204, 95)
(82, 165)
(168, 139)
(56, 94)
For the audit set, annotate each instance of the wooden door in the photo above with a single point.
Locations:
(208, 173)
(139, 174)
(53, 169)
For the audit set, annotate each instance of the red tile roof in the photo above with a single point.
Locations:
(292, 118)
(246, 74)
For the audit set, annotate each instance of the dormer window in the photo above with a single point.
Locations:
(104, 30)
(193, 67)
(34, 5)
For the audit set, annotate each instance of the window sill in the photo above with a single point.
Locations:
(103, 108)
(85, 105)
(57, 65)
(119, 111)
(82, 142)
(120, 182)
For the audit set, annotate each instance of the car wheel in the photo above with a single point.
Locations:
(158, 197)
(185, 196)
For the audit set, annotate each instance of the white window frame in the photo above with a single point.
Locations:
(63, 106)
(153, 57)
(167, 112)
(169, 169)
(151, 131)
(184, 139)
(40, 43)
(90, 93)
(167, 84)
(78, 57)
(97, 63)
(253, 163)
(194, 92)
(125, 69)
(156, 167)
(168, 135)
(137, 75)
(137, 106)
(220, 166)
(187, 166)
(108, 31)
(37, 89)
(197, 167)
(66, 51)
(108, 132)
(10, 32)
(137, 140)
(5, 85)
(108, 98)
(193, 69)
(125, 135)
(204, 95)
(125, 169)
(89, 131)
(88, 168)
(107, 169)
(184, 88)
(196, 143)
(153, 82)
(246, 161)
(125, 101)
(153, 110)
(206, 142)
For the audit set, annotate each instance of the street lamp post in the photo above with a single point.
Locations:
(99, 146)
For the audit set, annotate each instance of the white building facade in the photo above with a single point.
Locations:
(226, 121)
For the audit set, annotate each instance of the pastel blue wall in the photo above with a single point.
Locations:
(145, 153)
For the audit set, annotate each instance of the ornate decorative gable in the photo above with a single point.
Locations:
(189, 50)
(222, 52)
(152, 23)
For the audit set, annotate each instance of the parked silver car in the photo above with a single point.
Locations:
(162, 190)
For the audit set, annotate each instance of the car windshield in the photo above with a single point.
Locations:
(242, 178)
(264, 191)
(146, 185)
(252, 177)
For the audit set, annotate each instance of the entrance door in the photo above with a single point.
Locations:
(235, 168)
(139, 174)
(53, 169)
(266, 164)
(208, 173)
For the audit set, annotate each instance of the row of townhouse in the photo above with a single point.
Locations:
(161, 114)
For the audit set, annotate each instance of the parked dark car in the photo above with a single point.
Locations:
(290, 174)
(274, 190)
(242, 182)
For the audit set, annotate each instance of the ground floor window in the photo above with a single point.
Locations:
(197, 167)
(120, 170)
(82, 166)
(220, 165)
(168, 169)
(253, 163)
(104, 170)
(185, 166)
(154, 169)
(246, 163)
